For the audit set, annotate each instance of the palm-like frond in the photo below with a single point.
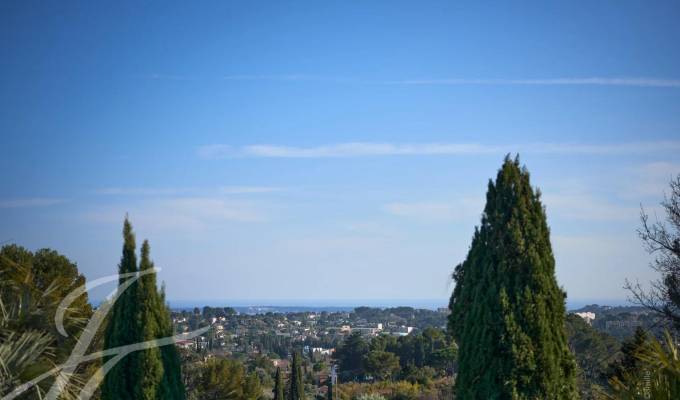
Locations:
(658, 378)
(29, 342)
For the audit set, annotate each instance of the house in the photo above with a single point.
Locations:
(186, 344)
(279, 363)
(589, 317)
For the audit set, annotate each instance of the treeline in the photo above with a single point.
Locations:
(198, 318)
(408, 316)
(418, 357)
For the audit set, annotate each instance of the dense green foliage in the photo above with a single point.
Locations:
(279, 388)
(629, 361)
(224, 379)
(296, 388)
(124, 328)
(416, 357)
(32, 285)
(397, 390)
(594, 351)
(329, 388)
(138, 315)
(507, 312)
(350, 356)
(381, 364)
(654, 374)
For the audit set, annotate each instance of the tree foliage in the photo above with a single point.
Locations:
(595, 352)
(350, 356)
(507, 312)
(32, 285)
(381, 364)
(140, 314)
(403, 357)
(225, 379)
(655, 375)
(278, 385)
(296, 388)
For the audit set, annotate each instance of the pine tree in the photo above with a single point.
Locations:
(278, 385)
(123, 327)
(297, 389)
(630, 349)
(507, 311)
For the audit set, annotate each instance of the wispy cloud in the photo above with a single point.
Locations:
(563, 81)
(291, 78)
(174, 191)
(30, 202)
(586, 207)
(359, 149)
(142, 191)
(594, 81)
(455, 210)
(196, 213)
(249, 189)
(651, 179)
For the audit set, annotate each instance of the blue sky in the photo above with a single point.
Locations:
(334, 150)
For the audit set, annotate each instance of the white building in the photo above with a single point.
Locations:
(589, 317)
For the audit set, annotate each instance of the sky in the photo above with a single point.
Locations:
(333, 151)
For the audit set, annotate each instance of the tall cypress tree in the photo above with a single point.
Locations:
(123, 327)
(296, 386)
(172, 385)
(139, 315)
(329, 385)
(278, 385)
(150, 362)
(507, 311)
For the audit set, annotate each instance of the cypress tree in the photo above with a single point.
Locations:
(172, 386)
(151, 364)
(297, 389)
(507, 311)
(329, 385)
(123, 327)
(139, 315)
(278, 385)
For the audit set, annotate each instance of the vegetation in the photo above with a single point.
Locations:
(296, 386)
(381, 364)
(663, 240)
(507, 312)
(398, 390)
(654, 375)
(225, 379)
(418, 357)
(508, 336)
(32, 285)
(138, 315)
(595, 352)
(278, 386)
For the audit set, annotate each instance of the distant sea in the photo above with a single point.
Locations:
(255, 306)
